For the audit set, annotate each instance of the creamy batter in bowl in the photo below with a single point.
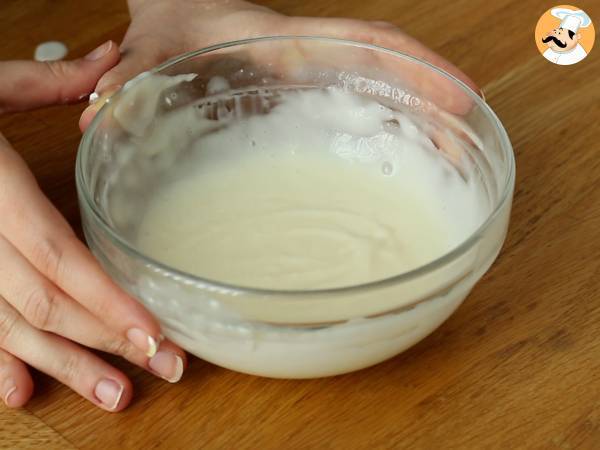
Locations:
(296, 207)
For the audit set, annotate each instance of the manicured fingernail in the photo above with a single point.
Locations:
(109, 393)
(97, 101)
(93, 98)
(143, 341)
(9, 387)
(99, 52)
(100, 99)
(482, 94)
(167, 365)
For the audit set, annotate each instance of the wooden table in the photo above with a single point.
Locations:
(518, 366)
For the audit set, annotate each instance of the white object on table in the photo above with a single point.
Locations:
(50, 51)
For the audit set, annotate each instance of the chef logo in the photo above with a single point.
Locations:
(564, 35)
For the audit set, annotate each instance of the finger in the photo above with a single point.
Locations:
(31, 84)
(90, 112)
(38, 231)
(16, 385)
(169, 363)
(47, 308)
(422, 80)
(63, 360)
(390, 36)
(385, 35)
(137, 56)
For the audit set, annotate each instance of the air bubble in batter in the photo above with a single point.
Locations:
(387, 168)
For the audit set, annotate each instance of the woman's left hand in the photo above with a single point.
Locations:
(161, 29)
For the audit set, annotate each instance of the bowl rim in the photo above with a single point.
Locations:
(453, 254)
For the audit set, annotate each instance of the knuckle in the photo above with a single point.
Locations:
(8, 322)
(118, 346)
(68, 79)
(69, 370)
(40, 308)
(367, 34)
(102, 309)
(56, 70)
(48, 258)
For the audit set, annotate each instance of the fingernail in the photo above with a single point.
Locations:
(97, 101)
(167, 365)
(10, 388)
(100, 99)
(109, 393)
(143, 341)
(99, 52)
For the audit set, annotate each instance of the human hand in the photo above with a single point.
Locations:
(161, 29)
(54, 298)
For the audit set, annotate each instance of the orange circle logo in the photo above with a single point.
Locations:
(565, 35)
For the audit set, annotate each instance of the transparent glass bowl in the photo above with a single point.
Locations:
(309, 333)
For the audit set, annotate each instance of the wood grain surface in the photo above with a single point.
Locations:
(517, 366)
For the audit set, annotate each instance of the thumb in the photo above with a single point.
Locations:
(31, 84)
(134, 60)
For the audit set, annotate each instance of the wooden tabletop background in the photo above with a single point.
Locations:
(517, 366)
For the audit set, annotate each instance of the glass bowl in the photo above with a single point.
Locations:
(302, 333)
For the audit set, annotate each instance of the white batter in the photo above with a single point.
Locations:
(327, 190)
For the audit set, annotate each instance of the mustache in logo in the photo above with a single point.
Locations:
(556, 41)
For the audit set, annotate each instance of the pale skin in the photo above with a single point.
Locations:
(54, 298)
(55, 301)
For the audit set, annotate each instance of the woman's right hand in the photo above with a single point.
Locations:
(55, 301)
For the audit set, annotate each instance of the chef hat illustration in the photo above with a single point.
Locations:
(571, 19)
